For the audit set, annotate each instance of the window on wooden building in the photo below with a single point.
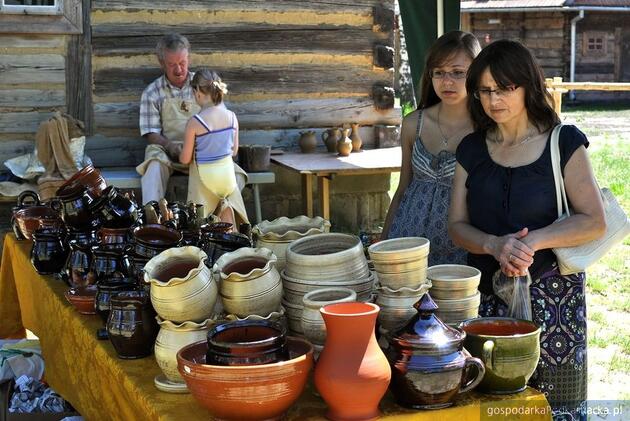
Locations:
(44, 7)
(594, 43)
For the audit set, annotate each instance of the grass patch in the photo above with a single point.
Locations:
(620, 362)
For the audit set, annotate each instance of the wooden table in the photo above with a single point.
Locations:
(324, 166)
(87, 373)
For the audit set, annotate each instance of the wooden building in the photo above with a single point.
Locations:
(578, 40)
(290, 66)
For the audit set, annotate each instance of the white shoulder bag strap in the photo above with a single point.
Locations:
(561, 195)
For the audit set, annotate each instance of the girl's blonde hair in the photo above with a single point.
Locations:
(209, 82)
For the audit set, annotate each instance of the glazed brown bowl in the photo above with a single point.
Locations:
(157, 235)
(87, 178)
(31, 218)
(82, 298)
(246, 392)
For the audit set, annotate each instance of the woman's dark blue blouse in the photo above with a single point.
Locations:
(503, 200)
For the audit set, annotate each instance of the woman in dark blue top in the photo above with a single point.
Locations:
(503, 209)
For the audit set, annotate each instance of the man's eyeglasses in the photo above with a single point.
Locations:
(499, 92)
(455, 74)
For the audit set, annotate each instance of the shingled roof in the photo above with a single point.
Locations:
(472, 5)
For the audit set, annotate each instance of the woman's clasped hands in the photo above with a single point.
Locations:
(513, 253)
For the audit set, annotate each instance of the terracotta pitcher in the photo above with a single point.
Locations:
(308, 141)
(330, 138)
(352, 373)
(344, 145)
(357, 142)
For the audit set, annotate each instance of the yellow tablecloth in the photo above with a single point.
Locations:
(87, 373)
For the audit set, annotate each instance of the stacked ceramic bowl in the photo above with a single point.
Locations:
(454, 290)
(323, 261)
(183, 294)
(401, 269)
(276, 235)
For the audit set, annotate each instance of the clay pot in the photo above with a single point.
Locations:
(49, 252)
(401, 262)
(22, 203)
(294, 317)
(307, 142)
(171, 338)
(352, 373)
(87, 178)
(247, 342)
(269, 389)
(150, 240)
(108, 262)
(83, 238)
(118, 236)
(78, 266)
(330, 257)
(330, 138)
(250, 284)
(459, 309)
(82, 298)
(76, 211)
(114, 209)
(216, 244)
(294, 289)
(254, 158)
(312, 321)
(104, 293)
(509, 349)
(397, 305)
(357, 142)
(31, 218)
(182, 288)
(276, 235)
(450, 282)
(344, 145)
(131, 325)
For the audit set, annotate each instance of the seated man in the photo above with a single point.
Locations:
(166, 106)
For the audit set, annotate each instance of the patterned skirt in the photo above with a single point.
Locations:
(559, 308)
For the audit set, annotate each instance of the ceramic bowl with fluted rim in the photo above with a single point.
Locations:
(453, 281)
(249, 281)
(312, 322)
(326, 256)
(171, 338)
(182, 288)
(295, 289)
(249, 392)
(285, 229)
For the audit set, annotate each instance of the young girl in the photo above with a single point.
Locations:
(210, 142)
(430, 136)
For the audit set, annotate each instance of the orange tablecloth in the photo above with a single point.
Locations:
(87, 373)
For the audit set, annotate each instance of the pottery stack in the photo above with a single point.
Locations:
(401, 269)
(276, 235)
(454, 290)
(183, 294)
(323, 261)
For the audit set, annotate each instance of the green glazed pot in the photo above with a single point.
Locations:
(509, 348)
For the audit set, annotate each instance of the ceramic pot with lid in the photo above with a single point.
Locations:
(429, 365)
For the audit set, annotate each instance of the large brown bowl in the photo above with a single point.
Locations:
(157, 235)
(87, 178)
(31, 218)
(82, 298)
(253, 392)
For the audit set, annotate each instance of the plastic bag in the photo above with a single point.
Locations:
(514, 291)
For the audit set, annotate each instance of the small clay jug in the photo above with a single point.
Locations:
(357, 142)
(352, 373)
(131, 325)
(21, 204)
(49, 252)
(78, 265)
(344, 145)
(308, 141)
(330, 138)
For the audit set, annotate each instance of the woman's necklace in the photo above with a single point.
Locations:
(445, 139)
(499, 141)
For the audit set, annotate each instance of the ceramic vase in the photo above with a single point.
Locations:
(307, 142)
(344, 145)
(357, 142)
(352, 373)
(330, 138)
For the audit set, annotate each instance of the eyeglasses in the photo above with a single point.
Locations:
(455, 74)
(499, 92)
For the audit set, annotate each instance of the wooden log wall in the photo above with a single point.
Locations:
(289, 65)
(546, 34)
(32, 86)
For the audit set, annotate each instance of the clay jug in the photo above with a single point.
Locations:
(357, 142)
(308, 141)
(344, 145)
(352, 373)
(330, 138)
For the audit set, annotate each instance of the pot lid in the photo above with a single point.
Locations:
(427, 333)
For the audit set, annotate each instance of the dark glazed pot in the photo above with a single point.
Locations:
(49, 252)
(33, 217)
(76, 210)
(108, 262)
(216, 244)
(22, 204)
(429, 366)
(247, 343)
(150, 240)
(87, 178)
(106, 290)
(131, 325)
(114, 209)
(78, 265)
(87, 238)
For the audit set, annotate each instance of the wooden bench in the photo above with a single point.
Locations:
(128, 178)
